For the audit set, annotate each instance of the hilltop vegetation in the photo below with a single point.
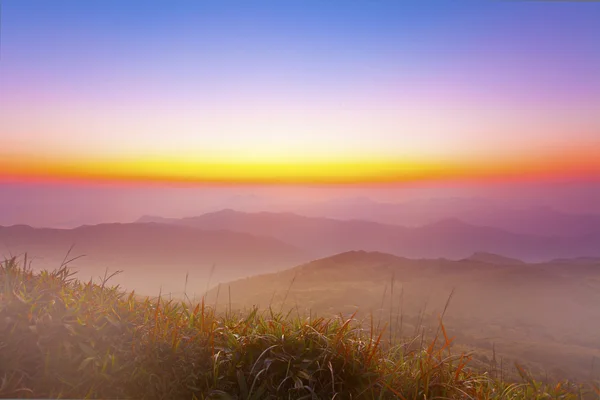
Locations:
(64, 338)
(542, 314)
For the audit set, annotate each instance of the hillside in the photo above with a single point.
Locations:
(94, 341)
(545, 314)
(448, 238)
(152, 256)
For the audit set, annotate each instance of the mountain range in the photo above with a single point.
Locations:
(533, 220)
(449, 238)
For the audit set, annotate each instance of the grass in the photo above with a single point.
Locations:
(62, 338)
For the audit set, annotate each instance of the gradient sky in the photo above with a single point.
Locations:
(299, 91)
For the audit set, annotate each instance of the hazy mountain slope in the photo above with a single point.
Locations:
(448, 238)
(534, 312)
(476, 211)
(153, 255)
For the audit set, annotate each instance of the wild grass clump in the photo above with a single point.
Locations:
(62, 338)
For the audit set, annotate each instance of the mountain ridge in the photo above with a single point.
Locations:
(534, 220)
(449, 238)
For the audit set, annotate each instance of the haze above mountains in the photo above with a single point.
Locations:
(70, 206)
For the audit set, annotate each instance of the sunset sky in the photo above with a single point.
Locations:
(299, 91)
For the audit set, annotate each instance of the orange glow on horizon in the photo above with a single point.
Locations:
(561, 164)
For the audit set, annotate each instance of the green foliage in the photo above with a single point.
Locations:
(61, 338)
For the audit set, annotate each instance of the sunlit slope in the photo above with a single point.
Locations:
(544, 313)
(67, 339)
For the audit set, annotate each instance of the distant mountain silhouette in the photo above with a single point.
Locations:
(450, 238)
(152, 255)
(493, 259)
(578, 260)
(540, 220)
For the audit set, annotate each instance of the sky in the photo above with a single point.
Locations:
(114, 109)
(301, 92)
